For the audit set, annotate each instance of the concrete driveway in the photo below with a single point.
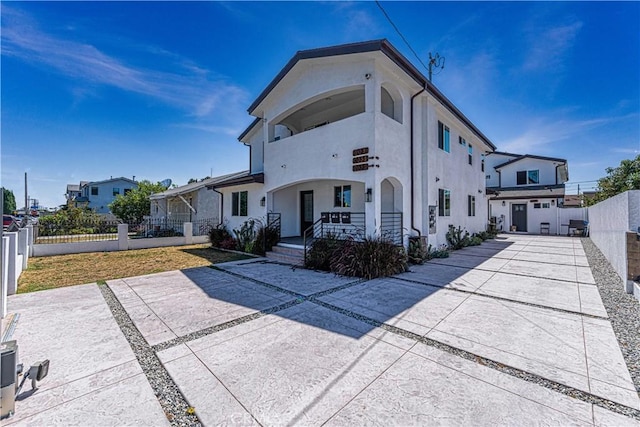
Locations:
(512, 332)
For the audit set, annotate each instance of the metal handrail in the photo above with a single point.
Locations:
(311, 228)
(275, 224)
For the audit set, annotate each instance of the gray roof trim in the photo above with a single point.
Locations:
(392, 53)
(249, 128)
(110, 180)
(524, 192)
(245, 178)
(530, 156)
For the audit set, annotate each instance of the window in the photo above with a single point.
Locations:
(470, 149)
(527, 177)
(127, 191)
(546, 206)
(444, 202)
(471, 209)
(536, 206)
(116, 191)
(342, 196)
(462, 141)
(239, 203)
(94, 191)
(443, 137)
(482, 163)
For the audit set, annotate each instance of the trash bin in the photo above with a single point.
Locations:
(8, 378)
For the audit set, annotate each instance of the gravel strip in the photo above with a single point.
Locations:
(623, 309)
(515, 372)
(173, 403)
(221, 327)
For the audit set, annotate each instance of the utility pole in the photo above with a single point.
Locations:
(435, 61)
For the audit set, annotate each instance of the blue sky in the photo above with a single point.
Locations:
(160, 89)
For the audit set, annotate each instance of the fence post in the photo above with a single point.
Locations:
(188, 233)
(31, 240)
(23, 246)
(123, 237)
(4, 280)
(12, 281)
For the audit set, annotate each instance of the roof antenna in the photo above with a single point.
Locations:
(435, 61)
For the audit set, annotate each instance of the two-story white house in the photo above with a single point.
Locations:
(355, 136)
(525, 191)
(97, 195)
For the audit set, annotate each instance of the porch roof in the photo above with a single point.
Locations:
(533, 192)
(245, 178)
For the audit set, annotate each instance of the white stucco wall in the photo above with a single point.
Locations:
(546, 168)
(609, 221)
(453, 172)
(254, 210)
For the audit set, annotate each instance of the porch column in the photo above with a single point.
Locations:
(372, 210)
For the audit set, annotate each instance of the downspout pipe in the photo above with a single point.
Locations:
(221, 206)
(413, 227)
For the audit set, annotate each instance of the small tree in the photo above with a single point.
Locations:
(133, 206)
(618, 180)
(8, 201)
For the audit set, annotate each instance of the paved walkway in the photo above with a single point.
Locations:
(512, 332)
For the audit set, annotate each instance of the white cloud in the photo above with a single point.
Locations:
(542, 132)
(188, 88)
(548, 46)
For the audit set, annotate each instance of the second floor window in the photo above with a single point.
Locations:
(444, 202)
(342, 196)
(528, 177)
(239, 203)
(470, 154)
(116, 191)
(443, 137)
(94, 191)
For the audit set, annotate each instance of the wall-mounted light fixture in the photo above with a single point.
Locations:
(553, 201)
(263, 201)
(479, 191)
(368, 196)
(367, 76)
(334, 155)
(503, 203)
(283, 166)
(437, 179)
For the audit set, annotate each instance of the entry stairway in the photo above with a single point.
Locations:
(287, 253)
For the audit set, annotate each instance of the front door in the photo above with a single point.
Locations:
(306, 210)
(519, 216)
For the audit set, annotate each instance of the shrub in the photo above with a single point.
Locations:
(475, 241)
(246, 236)
(441, 252)
(417, 253)
(218, 234)
(228, 243)
(268, 234)
(373, 257)
(322, 250)
(457, 238)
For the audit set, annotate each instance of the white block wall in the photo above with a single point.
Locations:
(608, 223)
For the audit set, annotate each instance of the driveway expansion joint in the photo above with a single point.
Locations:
(169, 396)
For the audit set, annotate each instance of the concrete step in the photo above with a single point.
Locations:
(285, 259)
(288, 250)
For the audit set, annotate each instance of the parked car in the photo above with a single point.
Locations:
(7, 220)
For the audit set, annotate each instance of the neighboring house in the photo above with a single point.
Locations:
(525, 191)
(97, 195)
(572, 201)
(355, 134)
(190, 203)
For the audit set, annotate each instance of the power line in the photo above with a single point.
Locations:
(401, 36)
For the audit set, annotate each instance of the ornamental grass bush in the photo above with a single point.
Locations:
(370, 258)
